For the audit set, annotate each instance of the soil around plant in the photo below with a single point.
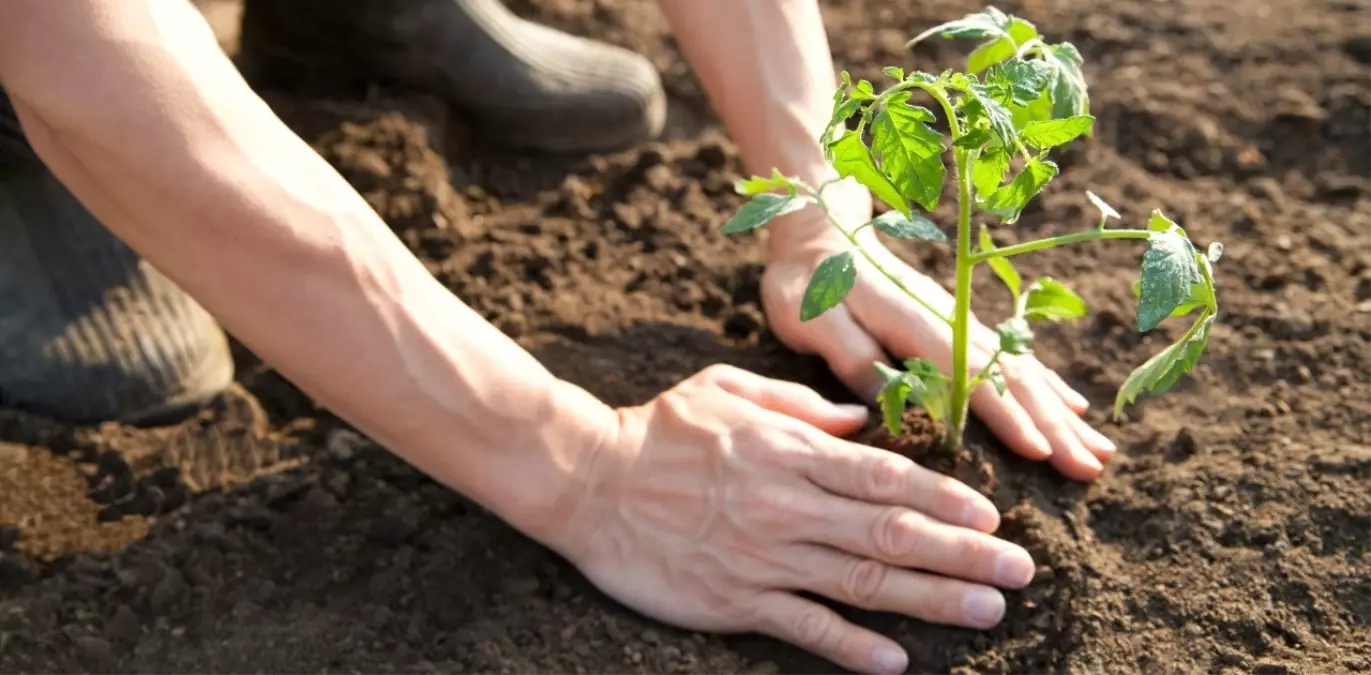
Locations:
(1230, 535)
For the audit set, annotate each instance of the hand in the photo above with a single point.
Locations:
(716, 500)
(1039, 414)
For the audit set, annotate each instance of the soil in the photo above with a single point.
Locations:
(1230, 535)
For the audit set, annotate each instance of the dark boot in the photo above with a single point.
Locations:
(88, 331)
(520, 83)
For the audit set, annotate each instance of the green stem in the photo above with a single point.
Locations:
(961, 314)
(1053, 242)
(981, 376)
(899, 283)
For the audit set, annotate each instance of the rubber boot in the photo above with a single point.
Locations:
(89, 332)
(520, 83)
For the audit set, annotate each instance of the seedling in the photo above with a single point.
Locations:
(1018, 99)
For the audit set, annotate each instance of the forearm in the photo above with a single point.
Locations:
(192, 170)
(768, 72)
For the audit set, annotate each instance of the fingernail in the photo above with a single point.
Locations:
(1014, 568)
(853, 409)
(1088, 459)
(889, 660)
(984, 606)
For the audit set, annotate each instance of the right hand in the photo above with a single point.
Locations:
(717, 499)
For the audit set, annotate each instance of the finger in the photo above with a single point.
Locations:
(877, 476)
(791, 399)
(1073, 399)
(1051, 416)
(819, 630)
(905, 538)
(875, 586)
(1010, 422)
(1094, 441)
(851, 352)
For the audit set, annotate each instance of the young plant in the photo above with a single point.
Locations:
(1018, 99)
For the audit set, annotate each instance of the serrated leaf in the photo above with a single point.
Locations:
(1054, 133)
(852, 159)
(1162, 371)
(896, 224)
(996, 51)
(892, 397)
(911, 151)
(843, 109)
(982, 104)
(1169, 272)
(894, 72)
(1070, 96)
(1106, 210)
(928, 388)
(1023, 80)
(1001, 266)
(1049, 300)
(761, 210)
(1201, 296)
(829, 285)
(990, 22)
(996, 377)
(1035, 111)
(973, 139)
(1015, 336)
(1009, 201)
(988, 173)
(755, 185)
(864, 91)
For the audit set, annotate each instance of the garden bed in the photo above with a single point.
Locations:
(1231, 534)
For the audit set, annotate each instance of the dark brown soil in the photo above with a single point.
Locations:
(1231, 535)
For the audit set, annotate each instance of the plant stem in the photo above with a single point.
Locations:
(899, 283)
(1053, 242)
(961, 314)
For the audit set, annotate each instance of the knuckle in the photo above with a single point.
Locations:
(897, 533)
(887, 475)
(863, 582)
(717, 373)
(812, 626)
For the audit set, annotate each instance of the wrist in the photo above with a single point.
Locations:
(553, 471)
(849, 205)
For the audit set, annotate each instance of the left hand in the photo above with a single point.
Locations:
(1039, 415)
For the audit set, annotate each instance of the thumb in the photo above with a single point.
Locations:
(793, 399)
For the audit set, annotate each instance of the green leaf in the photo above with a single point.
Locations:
(1201, 296)
(842, 110)
(894, 72)
(973, 139)
(865, 91)
(832, 280)
(1015, 336)
(1049, 300)
(1068, 88)
(982, 104)
(911, 151)
(893, 396)
(1162, 371)
(1158, 222)
(928, 388)
(988, 172)
(1106, 210)
(994, 52)
(852, 159)
(1023, 80)
(1001, 266)
(896, 224)
(758, 184)
(1053, 133)
(761, 210)
(990, 22)
(1169, 272)
(1009, 201)
(996, 377)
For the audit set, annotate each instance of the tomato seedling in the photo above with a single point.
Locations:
(1018, 99)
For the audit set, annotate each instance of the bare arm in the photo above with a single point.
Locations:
(190, 168)
(768, 72)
